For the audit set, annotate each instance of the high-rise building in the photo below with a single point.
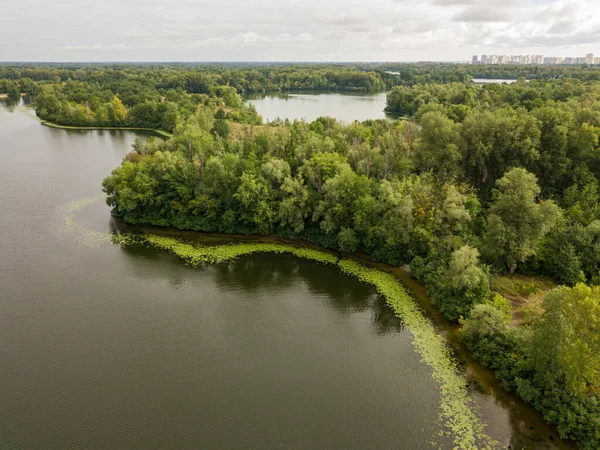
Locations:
(589, 58)
(579, 61)
(474, 60)
(568, 61)
(596, 60)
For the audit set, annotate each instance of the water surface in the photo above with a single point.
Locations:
(109, 347)
(309, 106)
(493, 80)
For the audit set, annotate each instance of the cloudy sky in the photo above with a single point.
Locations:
(294, 30)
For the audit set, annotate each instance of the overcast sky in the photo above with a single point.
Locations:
(294, 30)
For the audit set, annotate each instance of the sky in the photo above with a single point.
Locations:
(294, 30)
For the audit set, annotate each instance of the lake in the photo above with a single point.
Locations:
(493, 81)
(311, 105)
(110, 347)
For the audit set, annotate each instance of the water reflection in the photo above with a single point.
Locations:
(509, 421)
(251, 274)
(309, 105)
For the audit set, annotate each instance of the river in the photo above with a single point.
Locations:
(346, 107)
(110, 347)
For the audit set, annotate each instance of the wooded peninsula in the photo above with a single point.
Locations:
(490, 193)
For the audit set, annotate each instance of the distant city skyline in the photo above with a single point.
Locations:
(287, 30)
(589, 59)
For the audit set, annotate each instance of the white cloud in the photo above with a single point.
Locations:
(315, 29)
(96, 47)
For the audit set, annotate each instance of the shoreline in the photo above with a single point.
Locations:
(482, 379)
(6, 95)
(89, 128)
(84, 128)
(458, 412)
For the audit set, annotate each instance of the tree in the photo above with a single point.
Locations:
(467, 282)
(116, 111)
(561, 259)
(492, 142)
(437, 148)
(517, 221)
(339, 196)
(566, 342)
(347, 240)
(293, 208)
(220, 126)
(254, 195)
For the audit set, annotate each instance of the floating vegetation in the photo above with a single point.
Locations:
(81, 235)
(458, 415)
(457, 411)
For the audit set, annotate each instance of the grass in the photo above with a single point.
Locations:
(525, 295)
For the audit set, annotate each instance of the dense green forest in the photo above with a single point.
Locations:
(481, 182)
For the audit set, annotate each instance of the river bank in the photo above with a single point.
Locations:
(69, 127)
(27, 111)
(535, 432)
(6, 95)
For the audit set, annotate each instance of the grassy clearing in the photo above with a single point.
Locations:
(525, 295)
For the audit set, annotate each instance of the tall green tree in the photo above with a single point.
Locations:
(517, 220)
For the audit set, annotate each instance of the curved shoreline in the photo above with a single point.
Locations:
(541, 432)
(71, 127)
(458, 414)
(199, 248)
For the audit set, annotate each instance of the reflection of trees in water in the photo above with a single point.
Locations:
(11, 102)
(384, 319)
(252, 273)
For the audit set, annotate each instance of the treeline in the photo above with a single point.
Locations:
(498, 188)
(15, 88)
(201, 79)
(253, 78)
(423, 73)
(457, 98)
(139, 105)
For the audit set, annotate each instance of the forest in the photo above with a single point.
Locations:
(478, 186)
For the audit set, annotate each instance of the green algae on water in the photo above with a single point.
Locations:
(457, 413)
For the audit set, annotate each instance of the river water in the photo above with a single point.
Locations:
(346, 107)
(110, 347)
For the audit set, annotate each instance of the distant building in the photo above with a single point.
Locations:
(537, 59)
